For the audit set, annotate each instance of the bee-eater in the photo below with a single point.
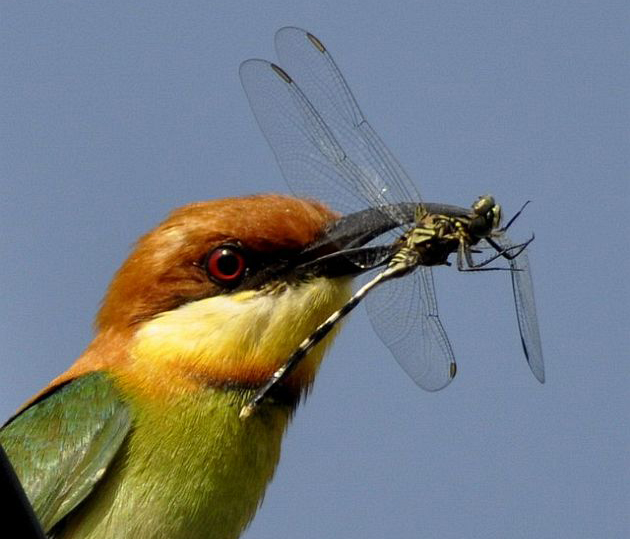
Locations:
(141, 437)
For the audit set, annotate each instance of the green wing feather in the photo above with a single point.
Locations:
(62, 445)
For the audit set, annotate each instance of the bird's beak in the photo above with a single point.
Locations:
(341, 250)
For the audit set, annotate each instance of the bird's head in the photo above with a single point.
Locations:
(222, 292)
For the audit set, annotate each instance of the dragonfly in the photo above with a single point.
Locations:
(327, 150)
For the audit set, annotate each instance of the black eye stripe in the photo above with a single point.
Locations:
(235, 267)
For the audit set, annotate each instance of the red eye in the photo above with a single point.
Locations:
(226, 265)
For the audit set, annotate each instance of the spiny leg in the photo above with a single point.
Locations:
(505, 252)
(465, 260)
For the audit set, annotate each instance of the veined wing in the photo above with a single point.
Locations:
(322, 142)
(409, 325)
(526, 313)
(327, 150)
(525, 305)
(313, 67)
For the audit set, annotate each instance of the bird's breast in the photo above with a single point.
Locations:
(190, 468)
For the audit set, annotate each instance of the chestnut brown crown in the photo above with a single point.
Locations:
(164, 270)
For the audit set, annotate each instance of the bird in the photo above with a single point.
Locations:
(141, 435)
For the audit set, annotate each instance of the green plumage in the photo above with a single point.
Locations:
(61, 446)
(100, 462)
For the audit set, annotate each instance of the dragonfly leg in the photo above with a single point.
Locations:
(465, 260)
(506, 252)
(514, 218)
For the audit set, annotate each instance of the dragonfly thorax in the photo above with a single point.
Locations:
(432, 240)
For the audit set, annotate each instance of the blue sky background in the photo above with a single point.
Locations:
(115, 112)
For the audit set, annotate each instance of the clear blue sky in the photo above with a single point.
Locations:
(115, 112)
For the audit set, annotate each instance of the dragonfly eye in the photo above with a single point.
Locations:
(483, 205)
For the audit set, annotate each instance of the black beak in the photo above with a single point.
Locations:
(340, 251)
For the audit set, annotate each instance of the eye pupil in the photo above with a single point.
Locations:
(226, 265)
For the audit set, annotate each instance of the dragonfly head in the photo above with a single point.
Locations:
(486, 216)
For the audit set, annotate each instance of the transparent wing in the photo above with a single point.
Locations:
(321, 140)
(523, 289)
(307, 152)
(408, 324)
(313, 68)
(327, 150)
